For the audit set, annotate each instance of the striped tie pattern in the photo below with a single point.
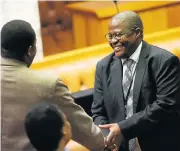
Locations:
(127, 81)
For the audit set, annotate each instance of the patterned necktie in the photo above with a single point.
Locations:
(128, 77)
(128, 94)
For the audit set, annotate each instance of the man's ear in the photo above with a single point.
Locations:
(64, 131)
(29, 51)
(138, 32)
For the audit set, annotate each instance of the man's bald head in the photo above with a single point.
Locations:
(129, 19)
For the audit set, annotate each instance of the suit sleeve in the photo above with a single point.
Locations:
(167, 101)
(84, 131)
(97, 109)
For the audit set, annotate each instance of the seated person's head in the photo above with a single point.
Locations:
(18, 41)
(47, 128)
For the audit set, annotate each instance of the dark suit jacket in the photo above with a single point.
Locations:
(156, 99)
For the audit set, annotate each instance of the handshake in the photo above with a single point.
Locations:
(114, 138)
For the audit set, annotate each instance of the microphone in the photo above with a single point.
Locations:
(115, 2)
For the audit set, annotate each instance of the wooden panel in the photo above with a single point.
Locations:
(56, 27)
(104, 28)
(65, 40)
(56, 41)
(43, 7)
(173, 16)
(93, 30)
(153, 13)
(80, 30)
(49, 45)
(154, 20)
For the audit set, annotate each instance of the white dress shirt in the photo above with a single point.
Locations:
(135, 57)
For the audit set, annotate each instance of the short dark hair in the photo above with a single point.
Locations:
(16, 37)
(43, 125)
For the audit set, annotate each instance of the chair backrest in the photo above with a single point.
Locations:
(77, 68)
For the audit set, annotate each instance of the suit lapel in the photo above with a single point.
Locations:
(116, 79)
(140, 70)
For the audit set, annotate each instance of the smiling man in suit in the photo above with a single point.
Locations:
(137, 90)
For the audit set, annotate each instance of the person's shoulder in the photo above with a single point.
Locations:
(43, 78)
(159, 52)
(159, 56)
(105, 60)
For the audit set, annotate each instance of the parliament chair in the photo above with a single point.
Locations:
(176, 51)
(71, 79)
(78, 76)
(76, 68)
(49, 44)
(87, 76)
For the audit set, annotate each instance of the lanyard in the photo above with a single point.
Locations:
(126, 98)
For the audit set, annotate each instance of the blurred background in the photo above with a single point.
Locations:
(71, 39)
(70, 34)
(73, 34)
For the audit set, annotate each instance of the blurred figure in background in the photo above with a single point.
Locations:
(10, 10)
(47, 128)
(22, 87)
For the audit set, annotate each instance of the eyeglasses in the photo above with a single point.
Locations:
(117, 35)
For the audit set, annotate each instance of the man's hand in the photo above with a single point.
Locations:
(111, 148)
(114, 136)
